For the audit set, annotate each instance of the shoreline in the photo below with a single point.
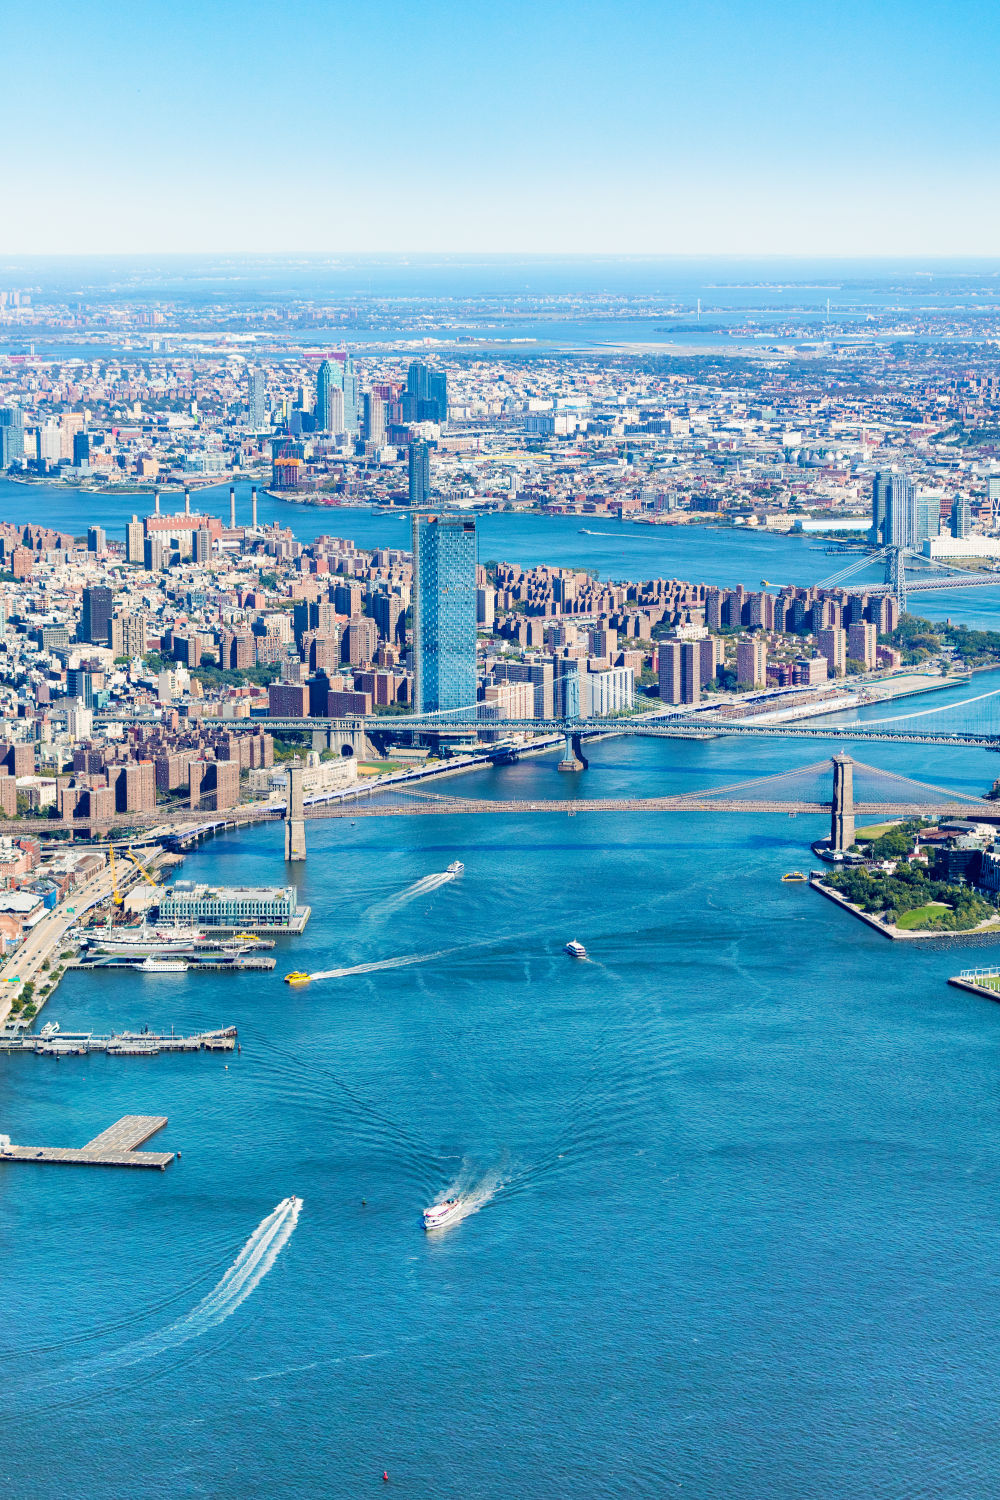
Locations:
(899, 934)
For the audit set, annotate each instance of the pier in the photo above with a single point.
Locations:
(51, 1042)
(114, 1147)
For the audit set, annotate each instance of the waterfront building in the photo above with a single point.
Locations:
(609, 692)
(444, 612)
(961, 518)
(419, 474)
(238, 906)
(11, 436)
(134, 537)
(880, 507)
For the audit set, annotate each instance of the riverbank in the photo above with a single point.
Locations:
(988, 929)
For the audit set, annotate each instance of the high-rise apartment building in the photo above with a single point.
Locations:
(95, 615)
(349, 386)
(256, 392)
(11, 436)
(862, 644)
(880, 507)
(751, 663)
(444, 612)
(134, 537)
(679, 666)
(97, 541)
(127, 635)
(373, 429)
(329, 378)
(833, 645)
(419, 474)
(961, 518)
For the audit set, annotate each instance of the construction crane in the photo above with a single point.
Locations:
(116, 894)
(150, 879)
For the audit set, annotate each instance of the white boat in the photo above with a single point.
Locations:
(440, 1213)
(162, 966)
(575, 949)
(456, 867)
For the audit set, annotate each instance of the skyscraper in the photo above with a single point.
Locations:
(880, 507)
(426, 398)
(95, 615)
(900, 526)
(328, 379)
(11, 436)
(374, 419)
(961, 518)
(255, 398)
(419, 473)
(134, 537)
(444, 612)
(349, 385)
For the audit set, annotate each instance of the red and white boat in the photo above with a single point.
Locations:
(441, 1213)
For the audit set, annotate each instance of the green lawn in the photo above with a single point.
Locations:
(875, 830)
(909, 919)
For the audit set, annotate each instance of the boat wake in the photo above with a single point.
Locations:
(474, 1189)
(243, 1277)
(421, 887)
(404, 961)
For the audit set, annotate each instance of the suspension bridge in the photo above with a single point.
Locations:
(900, 583)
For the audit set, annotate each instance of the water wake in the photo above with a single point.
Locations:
(421, 887)
(243, 1277)
(404, 961)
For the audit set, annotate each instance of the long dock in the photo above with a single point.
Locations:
(114, 1147)
(51, 1042)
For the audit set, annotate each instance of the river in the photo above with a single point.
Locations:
(730, 1185)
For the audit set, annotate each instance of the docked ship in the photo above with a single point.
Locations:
(150, 942)
(162, 966)
(440, 1213)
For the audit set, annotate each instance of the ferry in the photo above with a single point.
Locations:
(440, 1213)
(575, 949)
(456, 867)
(162, 966)
(793, 877)
(297, 977)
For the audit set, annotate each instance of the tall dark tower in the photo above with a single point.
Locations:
(842, 819)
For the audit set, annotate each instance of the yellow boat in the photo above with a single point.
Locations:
(297, 977)
(793, 877)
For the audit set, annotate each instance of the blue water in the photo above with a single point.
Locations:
(737, 1178)
(613, 549)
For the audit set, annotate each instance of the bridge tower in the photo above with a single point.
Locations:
(573, 756)
(842, 819)
(295, 826)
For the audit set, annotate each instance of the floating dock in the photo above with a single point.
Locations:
(114, 1147)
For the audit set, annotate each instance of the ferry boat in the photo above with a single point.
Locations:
(575, 949)
(793, 877)
(456, 867)
(297, 977)
(440, 1213)
(162, 966)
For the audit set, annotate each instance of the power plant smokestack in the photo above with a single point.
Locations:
(232, 507)
(156, 503)
(253, 507)
(187, 502)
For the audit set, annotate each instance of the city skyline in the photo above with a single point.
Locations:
(771, 129)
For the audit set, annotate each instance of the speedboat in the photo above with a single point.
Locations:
(297, 977)
(456, 867)
(575, 949)
(440, 1213)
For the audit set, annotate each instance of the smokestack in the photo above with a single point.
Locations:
(253, 507)
(187, 502)
(156, 503)
(232, 507)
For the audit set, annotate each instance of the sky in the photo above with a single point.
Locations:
(636, 127)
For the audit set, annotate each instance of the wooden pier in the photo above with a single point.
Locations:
(114, 1147)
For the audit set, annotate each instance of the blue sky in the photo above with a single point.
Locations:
(315, 125)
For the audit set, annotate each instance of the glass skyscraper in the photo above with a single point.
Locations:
(444, 612)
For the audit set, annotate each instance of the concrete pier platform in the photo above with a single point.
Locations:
(114, 1147)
